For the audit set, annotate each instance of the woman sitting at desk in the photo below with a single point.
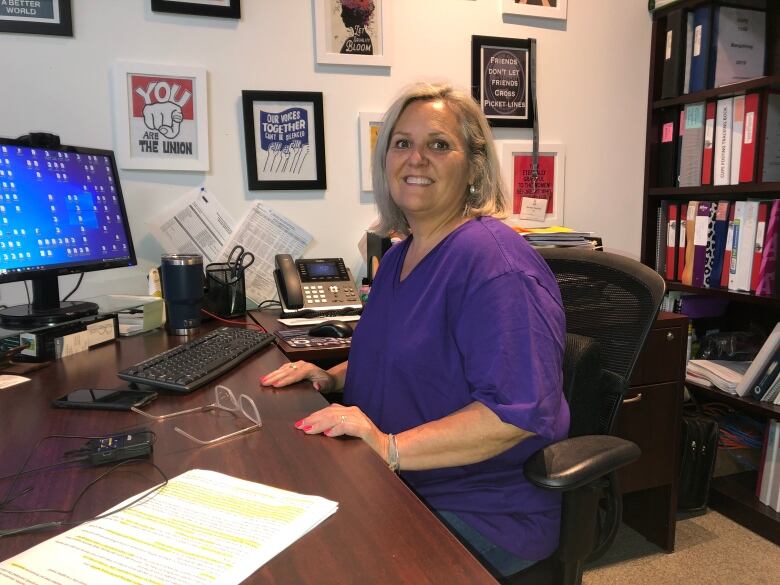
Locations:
(455, 370)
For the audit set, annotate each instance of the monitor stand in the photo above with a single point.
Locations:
(46, 307)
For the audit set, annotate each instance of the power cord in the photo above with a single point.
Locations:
(75, 288)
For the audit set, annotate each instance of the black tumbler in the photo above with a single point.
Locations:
(182, 287)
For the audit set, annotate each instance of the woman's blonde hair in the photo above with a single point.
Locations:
(488, 196)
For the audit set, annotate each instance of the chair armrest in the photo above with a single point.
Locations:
(575, 462)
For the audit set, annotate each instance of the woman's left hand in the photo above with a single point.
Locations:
(336, 420)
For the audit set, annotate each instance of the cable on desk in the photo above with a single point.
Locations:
(231, 322)
(60, 523)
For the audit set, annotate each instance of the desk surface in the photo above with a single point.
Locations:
(381, 532)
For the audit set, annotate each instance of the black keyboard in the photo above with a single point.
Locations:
(197, 362)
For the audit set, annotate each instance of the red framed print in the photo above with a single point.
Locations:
(534, 203)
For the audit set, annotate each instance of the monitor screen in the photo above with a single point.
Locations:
(61, 212)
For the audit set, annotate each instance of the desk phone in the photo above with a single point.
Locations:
(317, 284)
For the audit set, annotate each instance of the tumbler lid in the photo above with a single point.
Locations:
(182, 259)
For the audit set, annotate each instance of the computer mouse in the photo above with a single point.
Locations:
(331, 329)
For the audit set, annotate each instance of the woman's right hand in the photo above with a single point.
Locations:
(297, 371)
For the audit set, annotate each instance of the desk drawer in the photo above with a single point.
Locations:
(659, 360)
(647, 417)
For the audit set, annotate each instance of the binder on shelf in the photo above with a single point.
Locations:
(767, 377)
(667, 148)
(701, 231)
(690, 230)
(709, 248)
(770, 464)
(672, 240)
(737, 125)
(660, 244)
(722, 163)
(692, 144)
(738, 45)
(767, 274)
(770, 164)
(758, 246)
(728, 249)
(746, 245)
(709, 137)
(681, 241)
(673, 68)
(702, 29)
(760, 362)
(719, 234)
(688, 52)
(747, 164)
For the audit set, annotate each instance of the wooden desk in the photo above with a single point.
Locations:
(381, 532)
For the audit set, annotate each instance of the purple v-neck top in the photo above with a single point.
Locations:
(478, 319)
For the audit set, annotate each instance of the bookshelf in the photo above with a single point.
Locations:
(732, 495)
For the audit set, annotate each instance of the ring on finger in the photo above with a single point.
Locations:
(343, 418)
(293, 366)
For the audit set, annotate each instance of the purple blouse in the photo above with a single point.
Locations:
(478, 319)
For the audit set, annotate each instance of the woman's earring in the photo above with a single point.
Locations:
(473, 189)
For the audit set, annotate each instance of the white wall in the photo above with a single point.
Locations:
(592, 85)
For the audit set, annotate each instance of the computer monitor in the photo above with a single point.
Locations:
(61, 212)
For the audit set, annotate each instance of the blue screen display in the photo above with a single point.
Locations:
(322, 269)
(58, 210)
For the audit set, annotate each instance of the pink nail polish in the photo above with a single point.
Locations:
(317, 386)
(307, 428)
(298, 423)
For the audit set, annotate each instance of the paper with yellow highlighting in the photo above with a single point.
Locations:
(203, 527)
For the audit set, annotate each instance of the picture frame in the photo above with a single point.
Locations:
(370, 124)
(516, 161)
(348, 33)
(161, 117)
(501, 70)
(284, 135)
(218, 8)
(539, 8)
(45, 17)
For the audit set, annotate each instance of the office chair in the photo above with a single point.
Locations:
(610, 303)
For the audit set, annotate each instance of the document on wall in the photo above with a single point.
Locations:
(265, 232)
(196, 223)
(202, 527)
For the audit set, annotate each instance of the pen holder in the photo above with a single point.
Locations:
(225, 292)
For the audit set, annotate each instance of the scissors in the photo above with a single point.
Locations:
(242, 261)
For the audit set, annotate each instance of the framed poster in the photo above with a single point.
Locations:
(370, 124)
(160, 117)
(41, 17)
(532, 205)
(285, 140)
(500, 80)
(222, 8)
(353, 32)
(540, 8)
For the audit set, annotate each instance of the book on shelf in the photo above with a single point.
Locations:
(760, 362)
(692, 146)
(737, 124)
(738, 45)
(747, 164)
(770, 164)
(723, 133)
(673, 67)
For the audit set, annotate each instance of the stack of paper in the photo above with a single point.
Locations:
(557, 236)
(722, 374)
(203, 527)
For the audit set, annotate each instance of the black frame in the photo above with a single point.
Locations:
(478, 43)
(231, 11)
(64, 28)
(249, 98)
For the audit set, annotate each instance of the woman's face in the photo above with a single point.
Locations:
(426, 163)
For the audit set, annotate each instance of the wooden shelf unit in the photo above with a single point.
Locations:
(733, 495)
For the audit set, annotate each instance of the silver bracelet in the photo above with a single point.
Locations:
(392, 453)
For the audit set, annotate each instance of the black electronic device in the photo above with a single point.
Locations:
(335, 328)
(105, 399)
(62, 212)
(119, 447)
(316, 284)
(198, 361)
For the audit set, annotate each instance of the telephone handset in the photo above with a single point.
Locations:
(318, 284)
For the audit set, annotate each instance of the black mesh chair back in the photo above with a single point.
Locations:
(612, 300)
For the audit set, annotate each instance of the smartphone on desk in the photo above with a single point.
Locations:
(103, 399)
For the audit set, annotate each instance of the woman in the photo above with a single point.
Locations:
(455, 371)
